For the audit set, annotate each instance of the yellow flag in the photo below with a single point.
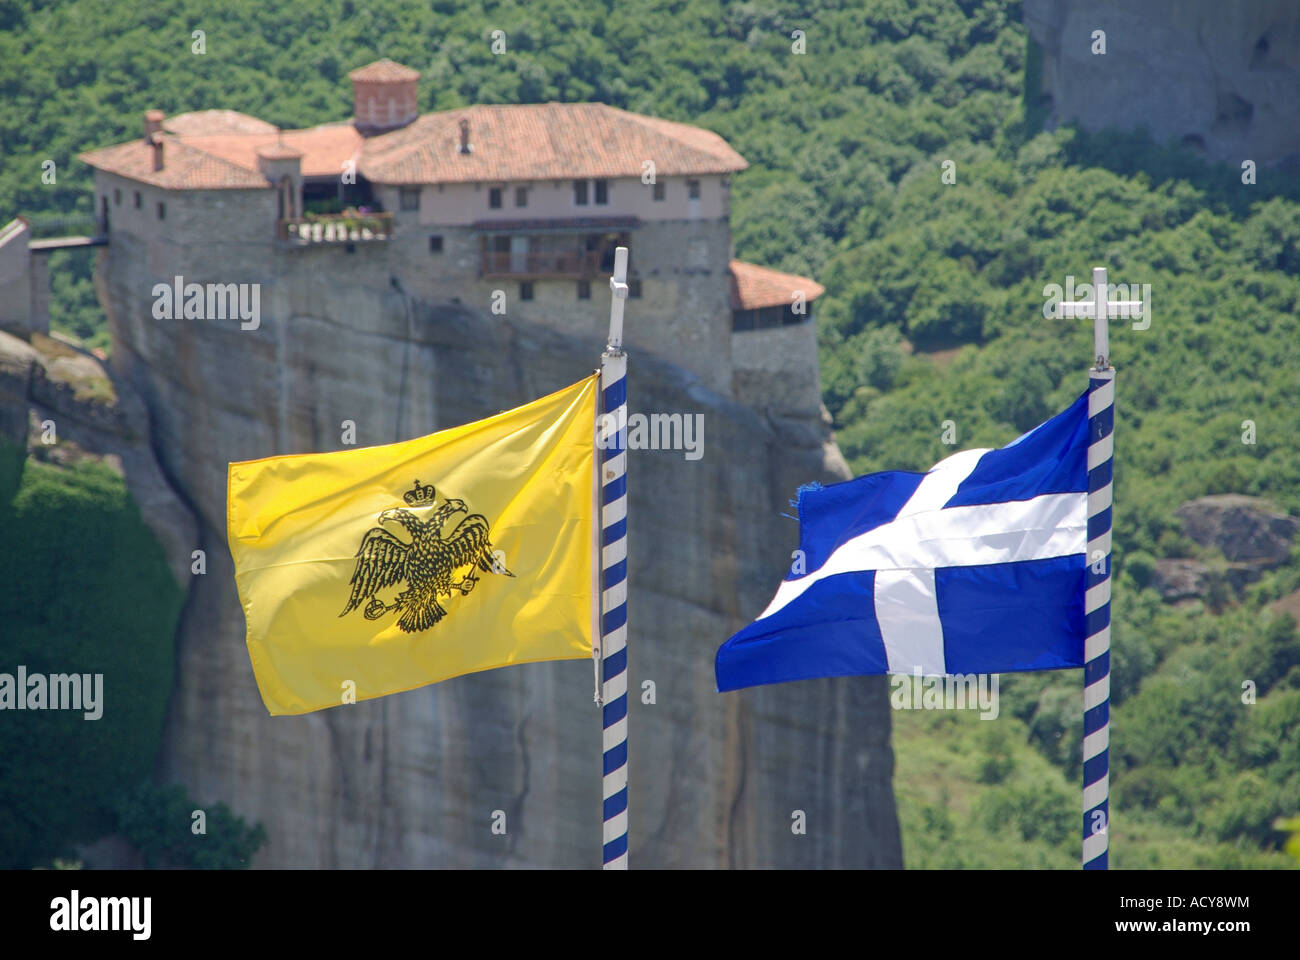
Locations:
(371, 571)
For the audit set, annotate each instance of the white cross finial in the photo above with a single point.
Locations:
(618, 295)
(1100, 310)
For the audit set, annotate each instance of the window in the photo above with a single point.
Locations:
(693, 189)
(580, 193)
(435, 244)
(162, 210)
(521, 196)
(526, 290)
(117, 197)
(658, 191)
(409, 198)
(602, 191)
(494, 198)
(138, 199)
(634, 289)
(584, 289)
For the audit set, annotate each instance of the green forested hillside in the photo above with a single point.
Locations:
(933, 312)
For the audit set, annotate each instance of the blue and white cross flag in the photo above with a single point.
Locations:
(977, 566)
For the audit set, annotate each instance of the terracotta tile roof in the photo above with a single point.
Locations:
(324, 148)
(216, 149)
(754, 287)
(184, 167)
(215, 123)
(384, 71)
(542, 141)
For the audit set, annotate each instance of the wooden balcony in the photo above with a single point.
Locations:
(335, 228)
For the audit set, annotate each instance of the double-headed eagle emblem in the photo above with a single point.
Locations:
(427, 563)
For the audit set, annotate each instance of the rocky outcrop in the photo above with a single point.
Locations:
(1219, 79)
(62, 404)
(412, 780)
(1181, 579)
(1250, 534)
(1244, 529)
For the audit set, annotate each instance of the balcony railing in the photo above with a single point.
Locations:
(557, 263)
(336, 228)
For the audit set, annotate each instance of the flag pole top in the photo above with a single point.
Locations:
(1101, 309)
(618, 298)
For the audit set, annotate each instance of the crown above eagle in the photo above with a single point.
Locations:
(420, 496)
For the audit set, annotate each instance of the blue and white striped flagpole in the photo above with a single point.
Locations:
(613, 565)
(1096, 657)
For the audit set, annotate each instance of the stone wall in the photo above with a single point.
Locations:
(775, 369)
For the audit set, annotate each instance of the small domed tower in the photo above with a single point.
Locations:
(383, 96)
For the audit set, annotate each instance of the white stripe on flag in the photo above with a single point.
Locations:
(907, 609)
(938, 486)
(1053, 525)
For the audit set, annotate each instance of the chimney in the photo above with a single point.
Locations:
(465, 145)
(153, 120)
(156, 141)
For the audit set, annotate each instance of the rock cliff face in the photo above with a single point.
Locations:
(412, 780)
(1217, 77)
